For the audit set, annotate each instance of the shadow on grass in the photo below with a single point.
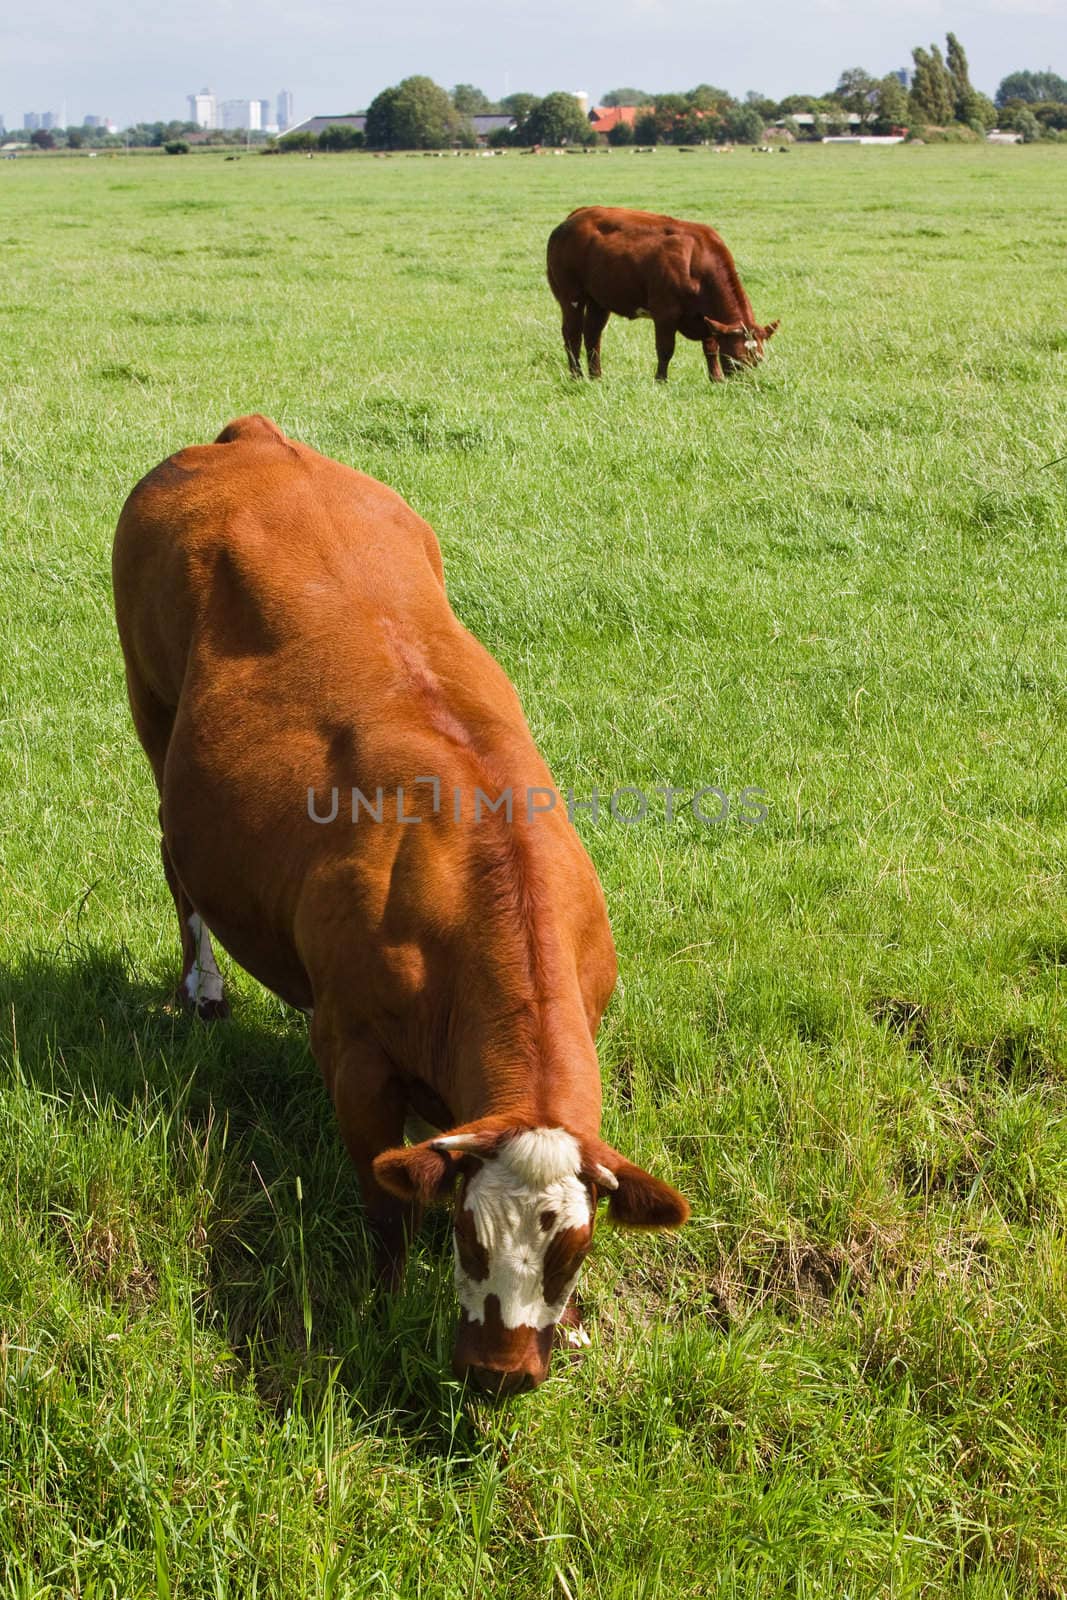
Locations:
(249, 1151)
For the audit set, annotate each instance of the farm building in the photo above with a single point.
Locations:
(603, 118)
(316, 125)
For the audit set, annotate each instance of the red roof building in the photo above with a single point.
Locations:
(603, 118)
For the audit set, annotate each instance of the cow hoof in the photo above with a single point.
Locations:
(212, 1010)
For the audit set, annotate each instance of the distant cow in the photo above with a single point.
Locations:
(332, 751)
(638, 264)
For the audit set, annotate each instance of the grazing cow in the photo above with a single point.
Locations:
(288, 642)
(638, 264)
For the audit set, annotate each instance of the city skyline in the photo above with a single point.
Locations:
(336, 60)
(272, 113)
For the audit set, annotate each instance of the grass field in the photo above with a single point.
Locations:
(843, 1033)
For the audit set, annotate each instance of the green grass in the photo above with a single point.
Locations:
(843, 1033)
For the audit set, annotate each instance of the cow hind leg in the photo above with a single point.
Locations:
(201, 983)
(201, 989)
(595, 321)
(572, 335)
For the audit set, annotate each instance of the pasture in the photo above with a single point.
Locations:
(841, 1032)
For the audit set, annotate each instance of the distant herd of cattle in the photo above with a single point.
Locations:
(286, 632)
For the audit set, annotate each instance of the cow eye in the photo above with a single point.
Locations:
(548, 1219)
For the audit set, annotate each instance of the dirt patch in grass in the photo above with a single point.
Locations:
(908, 1019)
(105, 1258)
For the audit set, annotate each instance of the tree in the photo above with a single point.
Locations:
(646, 128)
(959, 72)
(413, 115)
(43, 139)
(767, 108)
(303, 140)
(557, 119)
(968, 105)
(468, 100)
(931, 89)
(518, 106)
(706, 97)
(666, 112)
(982, 113)
(1032, 87)
(341, 136)
(1052, 114)
(890, 103)
(75, 138)
(176, 147)
(621, 133)
(831, 115)
(744, 125)
(626, 97)
(1027, 124)
(856, 90)
(694, 126)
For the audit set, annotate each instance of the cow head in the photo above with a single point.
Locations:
(524, 1216)
(737, 344)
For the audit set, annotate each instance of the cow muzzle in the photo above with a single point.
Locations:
(501, 1361)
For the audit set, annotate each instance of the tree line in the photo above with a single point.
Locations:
(941, 102)
(418, 114)
(139, 136)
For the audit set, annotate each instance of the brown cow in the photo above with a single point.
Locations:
(639, 264)
(288, 641)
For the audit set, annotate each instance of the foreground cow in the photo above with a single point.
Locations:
(290, 652)
(638, 264)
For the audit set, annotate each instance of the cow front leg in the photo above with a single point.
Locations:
(201, 989)
(665, 336)
(595, 321)
(370, 1116)
(572, 335)
(711, 356)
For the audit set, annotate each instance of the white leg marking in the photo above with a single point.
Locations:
(204, 980)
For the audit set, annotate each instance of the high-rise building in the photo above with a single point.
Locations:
(203, 109)
(241, 114)
(264, 114)
(285, 110)
(31, 121)
(50, 120)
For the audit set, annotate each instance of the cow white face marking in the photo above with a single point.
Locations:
(520, 1201)
(203, 981)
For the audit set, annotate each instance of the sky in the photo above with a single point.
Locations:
(108, 58)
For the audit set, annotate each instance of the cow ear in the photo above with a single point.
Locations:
(721, 328)
(768, 332)
(417, 1173)
(636, 1198)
